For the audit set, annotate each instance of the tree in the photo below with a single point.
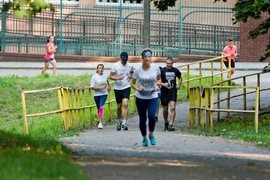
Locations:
(19, 7)
(163, 5)
(254, 9)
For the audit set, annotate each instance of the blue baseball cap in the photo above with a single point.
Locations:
(124, 56)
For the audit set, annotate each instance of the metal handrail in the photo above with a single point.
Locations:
(198, 93)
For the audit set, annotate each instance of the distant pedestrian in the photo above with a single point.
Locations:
(148, 76)
(122, 72)
(101, 86)
(169, 89)
(49, 57)
(232, 50)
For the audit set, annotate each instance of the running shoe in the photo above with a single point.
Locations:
(156, 119)
(166, 125)
(124, 126)
(145, 142)
(100, 126)
(152, 139)
(118, 128)
(171, 128)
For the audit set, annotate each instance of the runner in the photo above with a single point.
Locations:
(169, 92)
(101, 86)
(49, 57)
(232, 50)
(122, 72)
(148, 76)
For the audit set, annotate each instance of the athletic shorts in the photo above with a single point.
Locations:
(227, 63)
(121, 94)
(48, 60)
(159, 95)
(166, 99)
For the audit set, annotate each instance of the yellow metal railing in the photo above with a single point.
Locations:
(201, 76)
(202, 100)
(71, 106)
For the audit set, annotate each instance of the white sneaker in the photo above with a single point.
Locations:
(100, 126)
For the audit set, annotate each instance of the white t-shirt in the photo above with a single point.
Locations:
(147, 79)
(98, 81)
(119, 69)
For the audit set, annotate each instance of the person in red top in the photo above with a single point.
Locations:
(49, 57)
(232, 50)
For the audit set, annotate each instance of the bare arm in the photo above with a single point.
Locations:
(112, 76)
(51, 50)
(133, 85)
(97, 88)
(109, 86)
(179, 83)
(130, 75)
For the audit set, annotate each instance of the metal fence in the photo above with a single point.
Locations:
(201, 28)
(203, 99)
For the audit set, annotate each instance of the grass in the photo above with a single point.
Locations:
(40, 155)
(28, 157)
(240, 128)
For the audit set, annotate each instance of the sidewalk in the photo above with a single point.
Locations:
(81, 68)
(87, 66)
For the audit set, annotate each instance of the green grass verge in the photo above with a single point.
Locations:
(241, 128)
(27, 157)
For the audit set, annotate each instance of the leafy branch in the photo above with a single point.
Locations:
(20, 9)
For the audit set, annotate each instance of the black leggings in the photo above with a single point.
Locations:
(142, 106)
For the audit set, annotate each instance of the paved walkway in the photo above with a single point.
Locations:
(80, 68)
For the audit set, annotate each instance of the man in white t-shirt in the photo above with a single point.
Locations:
(122, 72)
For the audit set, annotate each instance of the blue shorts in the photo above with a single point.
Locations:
(48, 60)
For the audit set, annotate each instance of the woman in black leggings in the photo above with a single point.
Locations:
(148, 76)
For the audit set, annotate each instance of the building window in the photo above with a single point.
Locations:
(64, 2)
(116, 3)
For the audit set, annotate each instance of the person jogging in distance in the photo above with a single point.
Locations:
(49, 57)
(232, 50)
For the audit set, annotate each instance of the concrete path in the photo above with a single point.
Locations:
(80, 68)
